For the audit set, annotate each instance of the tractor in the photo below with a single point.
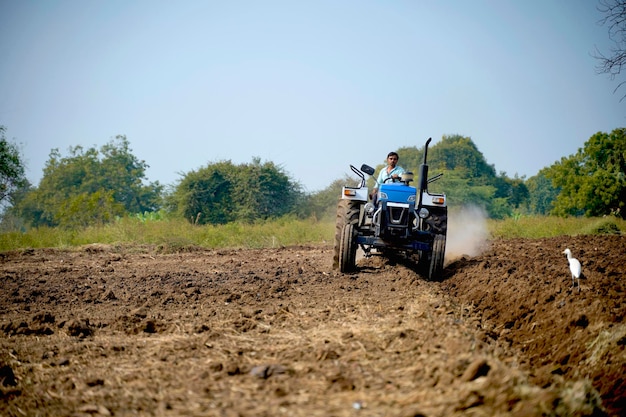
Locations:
(401, 220)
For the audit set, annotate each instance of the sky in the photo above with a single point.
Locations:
(312, 86)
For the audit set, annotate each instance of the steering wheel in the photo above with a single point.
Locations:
(392, 179)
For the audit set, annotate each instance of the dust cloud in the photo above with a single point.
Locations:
(467, 232)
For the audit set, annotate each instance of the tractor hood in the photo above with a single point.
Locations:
(397, 193)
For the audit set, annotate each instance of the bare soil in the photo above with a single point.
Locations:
(106, 330)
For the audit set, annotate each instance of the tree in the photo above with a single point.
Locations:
(90, 186)
(542, 193)
(323, 204)
(452, 153)
(223, 192)
(468, 179)
(513, 190)
(615, 19)
(460, 154)
(205, 196)
(593, 181)
(12, 176)
(264, 191)
(85, 209)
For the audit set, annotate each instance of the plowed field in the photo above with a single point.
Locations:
(106, 330)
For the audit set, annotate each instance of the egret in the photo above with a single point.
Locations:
(574, 266)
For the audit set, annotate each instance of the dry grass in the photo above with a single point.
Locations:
(172, 235)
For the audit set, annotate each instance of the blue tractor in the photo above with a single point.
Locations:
(401, 219)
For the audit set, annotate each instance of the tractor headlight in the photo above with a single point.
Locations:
(423, 213)
(383, 196)
(411, 198)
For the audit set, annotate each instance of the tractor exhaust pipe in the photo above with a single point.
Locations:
(423, 174)
(426, 150)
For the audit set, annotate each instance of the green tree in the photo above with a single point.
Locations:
(264, 190)
(124, 178)
(223, 192)
(12, 176)
(593, 181)
(90, 186)
(460, 154)
(323, 204)
(410, 158)
(453, 153)
(462, 192)
(468, 179)
(205, 196)
(84, 209)
(513, 190)
(541, 194)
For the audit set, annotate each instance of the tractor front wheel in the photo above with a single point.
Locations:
(347, 249)
(344, 256)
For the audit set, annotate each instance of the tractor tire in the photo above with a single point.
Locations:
(435, 268)
(347, 249)
(347, 214)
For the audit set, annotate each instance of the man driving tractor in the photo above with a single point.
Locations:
(391, 172)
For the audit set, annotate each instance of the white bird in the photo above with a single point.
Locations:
(574, 266)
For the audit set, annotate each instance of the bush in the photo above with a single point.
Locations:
(604, 226)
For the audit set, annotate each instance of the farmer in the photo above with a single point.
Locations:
(391, 172)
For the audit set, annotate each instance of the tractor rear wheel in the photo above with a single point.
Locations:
(435, 268)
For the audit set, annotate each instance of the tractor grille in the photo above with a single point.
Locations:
(398, 216)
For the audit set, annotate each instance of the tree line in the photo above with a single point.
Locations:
(96, 186)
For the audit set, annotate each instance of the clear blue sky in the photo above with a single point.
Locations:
(312, 86)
